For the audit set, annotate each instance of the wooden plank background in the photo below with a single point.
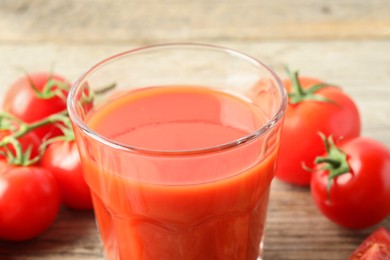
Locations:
(177, 20)
(346, 42)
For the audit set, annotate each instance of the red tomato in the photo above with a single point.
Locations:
(63, 160)
(375, 247)
(360, 197)
(22, 101)
(29, 201)
(299, 143)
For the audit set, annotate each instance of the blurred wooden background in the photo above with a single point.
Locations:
(148, 21)
(346, 42)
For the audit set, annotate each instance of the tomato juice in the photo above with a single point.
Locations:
(184, 188)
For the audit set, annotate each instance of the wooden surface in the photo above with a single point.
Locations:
(345, 42)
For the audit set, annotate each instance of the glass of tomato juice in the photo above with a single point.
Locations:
(180, 156)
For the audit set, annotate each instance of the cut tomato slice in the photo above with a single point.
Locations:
(375, 247)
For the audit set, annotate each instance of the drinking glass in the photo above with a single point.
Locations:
(180, 155)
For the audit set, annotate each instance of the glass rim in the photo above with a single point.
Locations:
(275, 119)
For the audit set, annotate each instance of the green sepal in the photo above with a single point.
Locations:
(335, 162)
(67, 130)
(19, 158)
(89, 98)
(51, 89)
(299, 94)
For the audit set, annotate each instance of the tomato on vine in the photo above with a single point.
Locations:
(29, 201)
(36, 96)
(27, 142)
(314, 106)
(30, 198)
(62, 158)
(30, 195)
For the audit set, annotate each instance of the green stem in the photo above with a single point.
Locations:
(105, 89)
(18, 158)
(23, 157)
(9, 121)
(18, 128)
(51, 89)
(335, 162)
(295, 84)
(25, 128)
(298, 94)
(48, 120)
(88, 98)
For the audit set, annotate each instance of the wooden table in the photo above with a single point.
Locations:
(344, 42)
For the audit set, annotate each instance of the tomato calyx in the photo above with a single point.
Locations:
(8, 122)
(18, 129)
(51, 89)
(88, 95)
(335, 162)
(18, 157)
(67, 134)
(299, 94)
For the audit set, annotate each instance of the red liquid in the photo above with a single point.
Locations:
(198, 206)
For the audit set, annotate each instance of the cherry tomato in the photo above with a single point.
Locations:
(358, 196)
(22, 101)
(328, 110)
(375, 247)
(29, 201)
(63, 160)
